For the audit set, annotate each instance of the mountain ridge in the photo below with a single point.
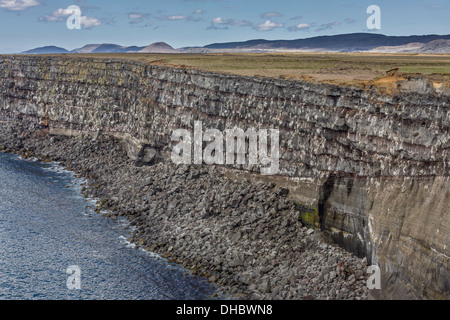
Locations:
(353, 42)
(342, 42)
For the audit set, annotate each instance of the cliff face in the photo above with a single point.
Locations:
(367, 165)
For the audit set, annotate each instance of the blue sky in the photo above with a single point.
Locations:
(26, 24)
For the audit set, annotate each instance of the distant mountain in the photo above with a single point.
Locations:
(437, 46)
(134, 49)
(354, 42)
(86, 49)
(158, 47)
(114, 48)
(46, 50)
(344, 42)
(106, 48)
(414, 47)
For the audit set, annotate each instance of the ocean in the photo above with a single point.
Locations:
(53, 246)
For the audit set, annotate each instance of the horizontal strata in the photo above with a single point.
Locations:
(369, 166)
(323, 128)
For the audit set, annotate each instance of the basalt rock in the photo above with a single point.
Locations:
(369, 166)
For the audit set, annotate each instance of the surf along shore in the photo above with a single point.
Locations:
(241, 234)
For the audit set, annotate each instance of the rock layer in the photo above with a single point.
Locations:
(369, 166)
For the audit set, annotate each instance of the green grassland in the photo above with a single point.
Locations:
(335, 67)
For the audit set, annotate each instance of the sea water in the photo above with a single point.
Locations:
(48, 230)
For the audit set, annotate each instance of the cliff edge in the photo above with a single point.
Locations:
(368, 165)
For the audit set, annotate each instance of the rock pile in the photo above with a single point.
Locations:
(244, 236)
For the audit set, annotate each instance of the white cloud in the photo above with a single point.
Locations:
(436, 6)
(218, 20)
(61, 15)
(89, 22)
(300, 27)
(135, 16)
(327, 26)
(177, 17)
(18, 5)
(317, 27)
(268, 26)
(271, 14)
(199, 11)
(303, 25)
(231, 22)
(57, 16)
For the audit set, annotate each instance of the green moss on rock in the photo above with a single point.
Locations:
(308, 215)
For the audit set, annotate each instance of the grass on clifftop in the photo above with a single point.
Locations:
(334, 67)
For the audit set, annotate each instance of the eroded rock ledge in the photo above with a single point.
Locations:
(368, 166)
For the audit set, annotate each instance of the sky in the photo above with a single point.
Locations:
(26, 24)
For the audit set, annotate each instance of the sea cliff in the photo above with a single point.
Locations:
(367, 165)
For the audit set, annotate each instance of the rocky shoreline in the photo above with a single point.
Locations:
(246, 237)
